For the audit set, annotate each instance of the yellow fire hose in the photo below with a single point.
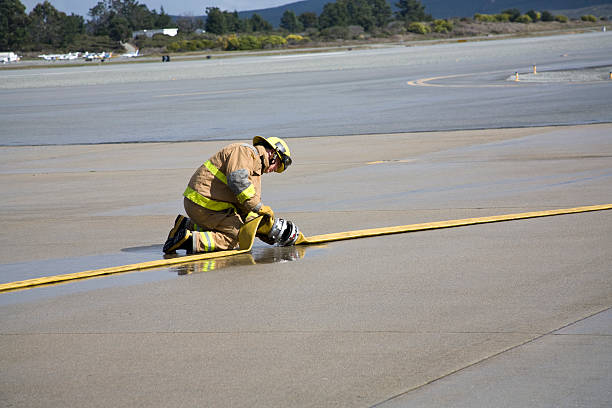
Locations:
(247, 237)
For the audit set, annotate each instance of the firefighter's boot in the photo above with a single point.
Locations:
(181, 222)
(182, 239)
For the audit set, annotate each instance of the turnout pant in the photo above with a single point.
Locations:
(212, 230)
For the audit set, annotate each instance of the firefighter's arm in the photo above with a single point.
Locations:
(239, 179)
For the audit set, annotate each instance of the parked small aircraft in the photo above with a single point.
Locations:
(53, 57)
(130, 54)
(102, 56)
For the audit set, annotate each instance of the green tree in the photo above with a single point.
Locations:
(333, 14)
(137, 16)
(215, 21)
(258, 23)
(74, 25)
(534, 15)
(162, 20)
(360, 13)
(140, 18)
(100, 17)
(13, 23)
(290, 22)
(514, 13)
(46, 25)
(309, 20)
(381, 10)
(547, 16)
(411, 10)
(233, 22)
(365, 13)
(119, 28)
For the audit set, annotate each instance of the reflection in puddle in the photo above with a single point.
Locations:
(262, 255)
(14, 272)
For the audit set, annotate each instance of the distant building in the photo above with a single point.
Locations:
(8, 57)
(150, 33)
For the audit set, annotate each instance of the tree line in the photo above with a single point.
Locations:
(113, 21)
(46, 28)
(368, 14)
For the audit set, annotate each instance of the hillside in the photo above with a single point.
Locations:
(442, 8)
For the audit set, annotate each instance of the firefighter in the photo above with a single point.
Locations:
(224, 193)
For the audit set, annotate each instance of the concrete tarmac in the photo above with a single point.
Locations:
(511, 314)
(391, 89)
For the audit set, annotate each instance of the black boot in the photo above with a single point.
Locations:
(179, 223)
(183, 239)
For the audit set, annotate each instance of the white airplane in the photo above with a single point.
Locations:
(53, 57)
(90, 56)
(131, 54)
(49, 57)
(70, 56)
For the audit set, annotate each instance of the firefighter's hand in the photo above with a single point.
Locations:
(266, 210)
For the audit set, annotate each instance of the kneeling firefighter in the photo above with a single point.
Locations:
(225, 192)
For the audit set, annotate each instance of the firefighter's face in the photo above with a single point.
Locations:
(274, 161)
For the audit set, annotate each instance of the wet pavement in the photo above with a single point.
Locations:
(387, 320)
(261, 254)
(508, 314)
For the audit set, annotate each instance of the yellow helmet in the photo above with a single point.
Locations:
(280, 147)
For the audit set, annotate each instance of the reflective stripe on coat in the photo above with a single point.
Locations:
(229, 179)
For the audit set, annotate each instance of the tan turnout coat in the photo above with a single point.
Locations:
(230, 179)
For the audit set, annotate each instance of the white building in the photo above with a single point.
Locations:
(150, 33)
(8, 57)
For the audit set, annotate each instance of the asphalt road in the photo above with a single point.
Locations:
(509, 314)
(315, 94)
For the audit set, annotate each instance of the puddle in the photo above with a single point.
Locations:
(259, 255)
(36, 269)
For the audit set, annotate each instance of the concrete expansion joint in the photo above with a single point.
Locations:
(494, 355)
(225, 332)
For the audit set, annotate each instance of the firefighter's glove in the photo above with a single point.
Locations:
(265, 226)
(266, 210)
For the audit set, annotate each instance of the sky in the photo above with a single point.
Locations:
(174, 7)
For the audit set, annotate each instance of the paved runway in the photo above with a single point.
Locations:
(510, 314)
(340, 93)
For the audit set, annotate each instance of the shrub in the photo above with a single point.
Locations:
(249, 42)
(356, 31)
(589, 17)
(272, 41)
(561, 18)
(335, 32)
(294, 38)
(190, 45)
(483, 18)
(396, 27)
(523, 19)
(418, 28)
(230, 43)
(502, 18)
(535, 15)
(442, 26)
